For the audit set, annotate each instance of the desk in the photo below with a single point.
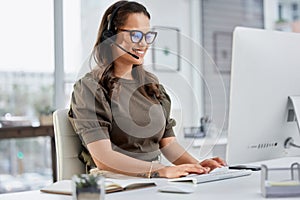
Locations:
(30, 131)
(245, 188)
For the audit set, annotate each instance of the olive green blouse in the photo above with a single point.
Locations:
(133, 124)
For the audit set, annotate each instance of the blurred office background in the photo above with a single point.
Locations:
(45, 46)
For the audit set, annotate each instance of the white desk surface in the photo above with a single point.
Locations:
(232, 189)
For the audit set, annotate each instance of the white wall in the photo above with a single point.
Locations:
(184, 86)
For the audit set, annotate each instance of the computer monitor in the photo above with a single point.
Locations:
(265, 72)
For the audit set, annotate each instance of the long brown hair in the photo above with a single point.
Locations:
(102, 53)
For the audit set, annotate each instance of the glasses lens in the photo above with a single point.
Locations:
(136, 36)
(150, 37)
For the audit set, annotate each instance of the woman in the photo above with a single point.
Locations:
(120, 111)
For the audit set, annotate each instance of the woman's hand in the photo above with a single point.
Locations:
(182, 170)
(213, 163)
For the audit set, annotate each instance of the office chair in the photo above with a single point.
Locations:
(68, 146)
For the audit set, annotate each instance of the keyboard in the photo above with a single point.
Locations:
(215, 175)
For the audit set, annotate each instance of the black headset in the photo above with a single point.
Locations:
(109, 32)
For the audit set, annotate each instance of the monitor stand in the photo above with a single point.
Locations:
(293, 114)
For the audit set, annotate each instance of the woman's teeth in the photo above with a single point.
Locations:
(139, 51)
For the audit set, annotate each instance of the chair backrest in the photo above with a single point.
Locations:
(68, 146)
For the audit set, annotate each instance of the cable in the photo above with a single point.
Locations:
(290, 142)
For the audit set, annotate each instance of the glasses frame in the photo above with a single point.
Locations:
(143, 35)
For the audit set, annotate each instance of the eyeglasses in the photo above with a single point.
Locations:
(137, 36)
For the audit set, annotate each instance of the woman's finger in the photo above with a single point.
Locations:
(219, 160)
(196, 168)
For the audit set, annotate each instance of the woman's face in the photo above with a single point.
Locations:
(135, 21)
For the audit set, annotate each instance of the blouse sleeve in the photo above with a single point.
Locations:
(90, 113)
(166, 104)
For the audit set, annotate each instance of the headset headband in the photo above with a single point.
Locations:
(112, 16)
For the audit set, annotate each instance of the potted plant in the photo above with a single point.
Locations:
(45, 115)
(87, 186)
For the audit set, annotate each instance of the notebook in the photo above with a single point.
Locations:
(111, 185)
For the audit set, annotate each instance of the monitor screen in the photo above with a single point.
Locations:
(265, 72)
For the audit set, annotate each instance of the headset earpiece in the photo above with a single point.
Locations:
(106, 36)
(109, 32)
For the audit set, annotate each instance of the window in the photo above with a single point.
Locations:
(280, 12)
(295, 11)
(26, 90)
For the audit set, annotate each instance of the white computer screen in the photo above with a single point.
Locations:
(265, 71)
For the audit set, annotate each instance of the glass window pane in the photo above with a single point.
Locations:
(26, 90)
(27, 62)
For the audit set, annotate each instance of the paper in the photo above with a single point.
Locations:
(282, 183)
(60, 187)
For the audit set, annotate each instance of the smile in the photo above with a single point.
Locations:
(139, 52)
